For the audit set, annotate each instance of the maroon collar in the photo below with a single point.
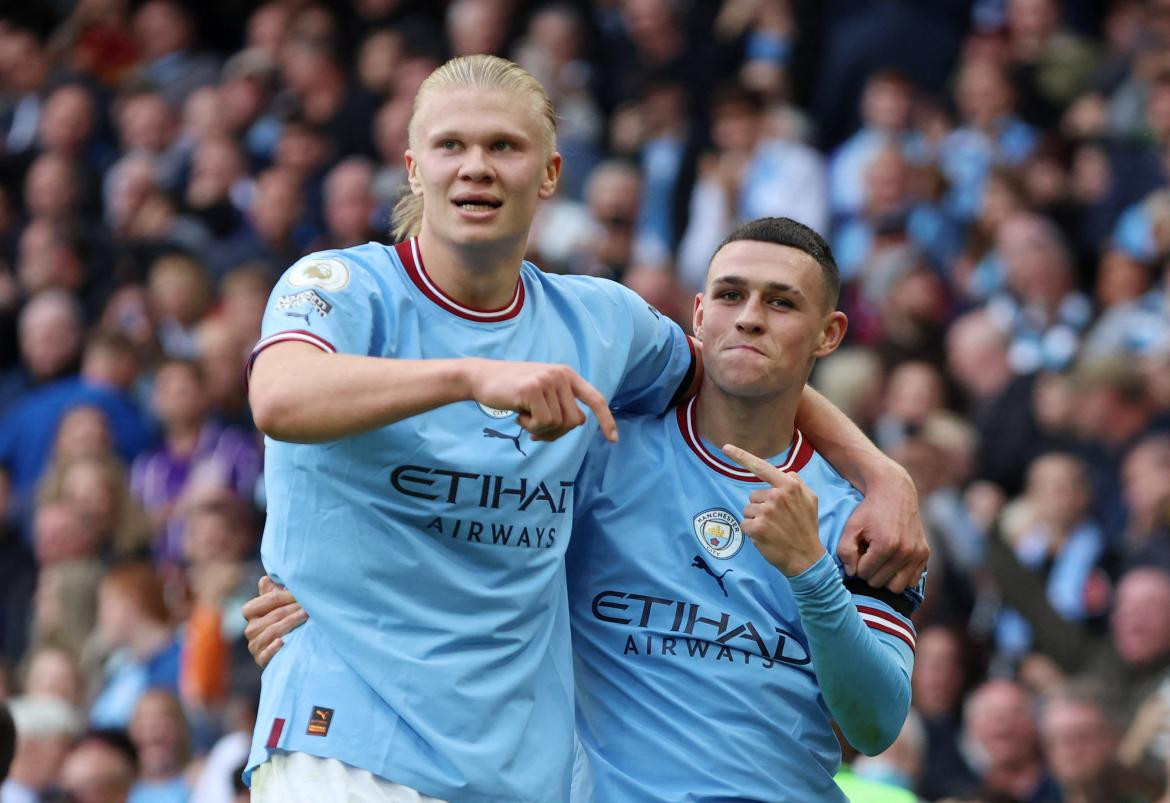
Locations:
(412, 261)
(798, 455)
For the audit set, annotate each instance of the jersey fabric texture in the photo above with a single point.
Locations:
(694, 674)
(429, 553)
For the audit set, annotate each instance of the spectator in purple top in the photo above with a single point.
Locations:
(192, 442)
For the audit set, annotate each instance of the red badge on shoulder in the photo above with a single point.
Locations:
(319, 721)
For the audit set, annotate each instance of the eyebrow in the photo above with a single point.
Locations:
(739, 281)
(447, 133)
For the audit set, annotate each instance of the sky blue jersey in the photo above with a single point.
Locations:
(429, 553)
(695, 676)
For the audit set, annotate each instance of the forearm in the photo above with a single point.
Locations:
(301, 394)
(864, 680)
(843, 444)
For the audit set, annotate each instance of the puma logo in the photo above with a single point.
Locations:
(304, 315)
(488, 432)
(699, 563)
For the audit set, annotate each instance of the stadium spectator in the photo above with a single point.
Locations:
(193, 444)
(1080, 740)
(158, 730)
(886, 104)
(135, 625)
(1002, 746)
(50, 333)
(1055, 537)
(52, 671)
(165, 33)
(748, 176)
(45, 730)
(100, 768)
(990, 134)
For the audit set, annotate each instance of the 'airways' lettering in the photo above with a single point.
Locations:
(491, 491)
(662, 615)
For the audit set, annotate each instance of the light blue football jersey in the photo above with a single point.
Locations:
(429, 553)
(694, 679)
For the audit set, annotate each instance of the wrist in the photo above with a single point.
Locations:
(822, 571)
(877, 470)
(801, 564)
(464, 372)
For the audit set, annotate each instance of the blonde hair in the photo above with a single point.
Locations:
(483, 73)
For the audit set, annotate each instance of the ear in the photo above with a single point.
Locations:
(552, 173)
(412, 172)
(831, 334)
(697, 317)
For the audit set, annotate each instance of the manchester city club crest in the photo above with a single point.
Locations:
(719, 533)
(322, 272)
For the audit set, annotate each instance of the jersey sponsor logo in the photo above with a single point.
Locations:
(719, 533)
(680, 628)
(491, 491)
(488, 432)
(319, 721)
(323, 272)
(494, 412)
(493, 533)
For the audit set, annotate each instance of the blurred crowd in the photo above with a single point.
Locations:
(993, 178)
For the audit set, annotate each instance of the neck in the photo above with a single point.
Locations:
(761, 425)
(479, 276)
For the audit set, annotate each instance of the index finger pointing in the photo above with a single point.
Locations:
(597, 403)
(761, 468)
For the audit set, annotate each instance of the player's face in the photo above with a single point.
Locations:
(481, 162)
(763, 319)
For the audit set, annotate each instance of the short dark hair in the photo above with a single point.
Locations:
(786, 231)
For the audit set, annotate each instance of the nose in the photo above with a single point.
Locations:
(751, 317)
(476, 166)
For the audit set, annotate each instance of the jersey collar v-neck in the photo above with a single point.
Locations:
(799, 452)
(411, 257)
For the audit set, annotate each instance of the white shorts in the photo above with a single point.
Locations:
(301, 778)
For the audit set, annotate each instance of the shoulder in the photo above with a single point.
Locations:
(640, 437)
(597, 297)
(830, 487)
(335, 269)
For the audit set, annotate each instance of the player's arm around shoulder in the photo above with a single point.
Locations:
(884, 542)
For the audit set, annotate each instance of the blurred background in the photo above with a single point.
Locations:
(992, 176)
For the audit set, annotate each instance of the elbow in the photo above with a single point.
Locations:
(271, 411)
(879, 730)
(872, 741)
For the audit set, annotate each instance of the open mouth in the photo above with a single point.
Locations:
(478, 204)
